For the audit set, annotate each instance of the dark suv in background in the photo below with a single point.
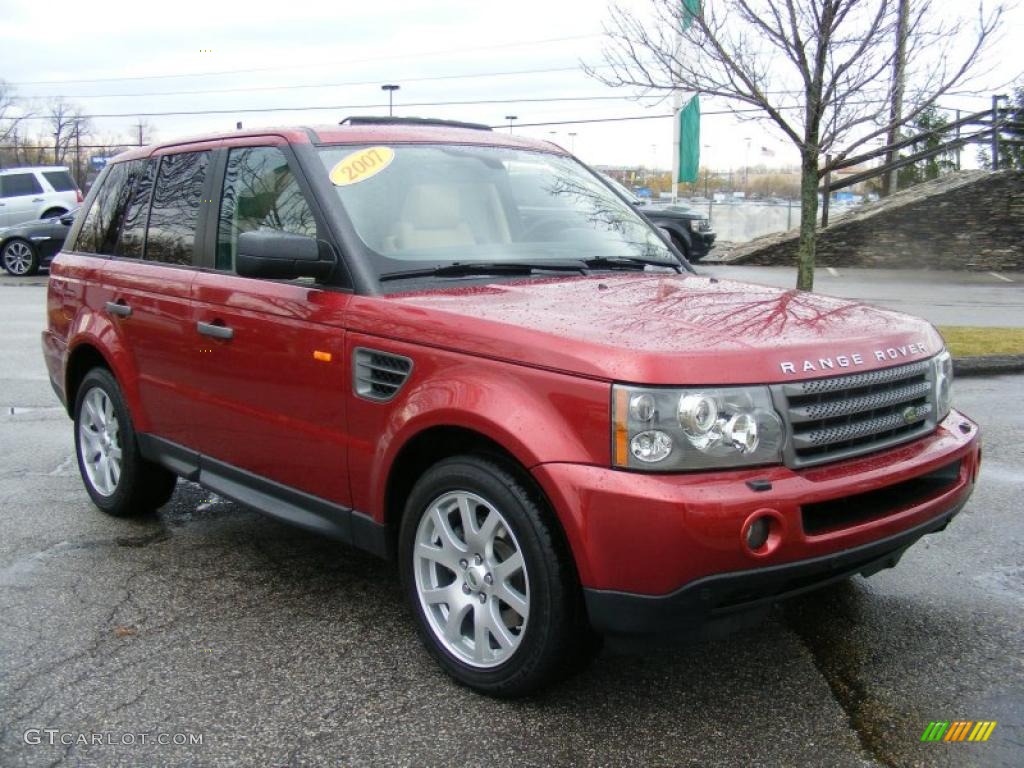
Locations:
(689, 229)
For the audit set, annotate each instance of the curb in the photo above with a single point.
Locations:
(987, 365)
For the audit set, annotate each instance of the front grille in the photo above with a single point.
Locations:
(843, 416)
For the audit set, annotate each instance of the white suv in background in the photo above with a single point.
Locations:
(38, 192)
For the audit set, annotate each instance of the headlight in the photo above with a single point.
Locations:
(943, 363)
(674, 429)
(696, 225)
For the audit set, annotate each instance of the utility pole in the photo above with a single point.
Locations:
(896, 105)
(139, 126)
(78, 153)
(746, 167)
(510, 118)
(572, 142)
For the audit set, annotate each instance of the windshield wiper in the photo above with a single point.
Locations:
(628, 262)
(468, 268)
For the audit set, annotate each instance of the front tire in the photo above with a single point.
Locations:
(20, 258)
(495, 596)
(683, 248)
(119, 481)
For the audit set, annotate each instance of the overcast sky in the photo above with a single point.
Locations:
(114, 57)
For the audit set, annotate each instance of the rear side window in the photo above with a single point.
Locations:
(260, 192)
(99, 230)
(17, 184)
(60, 181)
(177, 200)
(133, 231)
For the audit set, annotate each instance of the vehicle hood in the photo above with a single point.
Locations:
(655, 329)
(673, 212)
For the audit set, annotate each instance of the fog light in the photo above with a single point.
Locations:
(757, 533)
(651, 446)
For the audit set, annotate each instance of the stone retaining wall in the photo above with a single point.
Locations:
(965, 220)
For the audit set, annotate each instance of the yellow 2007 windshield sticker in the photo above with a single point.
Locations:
(361, 165)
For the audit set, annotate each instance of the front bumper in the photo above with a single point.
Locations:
(703, 242)
(662, 551)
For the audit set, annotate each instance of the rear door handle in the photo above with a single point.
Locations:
(215, 330)
(38, 199)
(118, 308)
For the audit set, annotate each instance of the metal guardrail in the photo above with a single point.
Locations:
(991, 122)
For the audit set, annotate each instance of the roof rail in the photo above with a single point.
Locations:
(368, 120)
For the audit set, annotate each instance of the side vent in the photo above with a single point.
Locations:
(379, 375)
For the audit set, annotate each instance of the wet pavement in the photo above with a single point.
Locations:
(276, 648)
(991, 299)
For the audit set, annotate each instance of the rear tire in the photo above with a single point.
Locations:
(495, 596)
(20, 258)
(119, 481)
(51, 212)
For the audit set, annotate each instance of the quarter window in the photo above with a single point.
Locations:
(177, 201)
(133, 232)
(260, 192)
(60, 181)
(100, 229)
(17, 184)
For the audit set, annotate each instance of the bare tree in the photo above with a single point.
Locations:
(820, 71)
(11, 118)
(69, 130)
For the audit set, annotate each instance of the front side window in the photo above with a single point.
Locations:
(102, 222)
(177, 201)
(431, 205)
(260, 193)
(18, 184)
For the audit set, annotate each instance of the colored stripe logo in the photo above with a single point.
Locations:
(959, 730)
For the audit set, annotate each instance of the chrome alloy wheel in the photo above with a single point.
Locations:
(471, 579)
(18, 258)
(99, 442)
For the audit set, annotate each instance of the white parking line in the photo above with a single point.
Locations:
(833, 271)
(1001, 277)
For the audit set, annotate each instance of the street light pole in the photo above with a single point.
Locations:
(510, 118)
(390, 88)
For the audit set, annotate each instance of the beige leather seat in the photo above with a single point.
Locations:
(432, 218)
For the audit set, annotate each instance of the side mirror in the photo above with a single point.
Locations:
(67, 219)
(273, 254)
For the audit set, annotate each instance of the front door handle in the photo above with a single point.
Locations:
(215, 330)
(118, 308)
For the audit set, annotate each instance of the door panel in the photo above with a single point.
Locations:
(150, 305)
(271, 384)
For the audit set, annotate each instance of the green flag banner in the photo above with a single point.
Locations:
(689, 141)
(690, 9)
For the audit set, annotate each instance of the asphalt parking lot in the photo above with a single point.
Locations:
(277, 648)
(993, 299)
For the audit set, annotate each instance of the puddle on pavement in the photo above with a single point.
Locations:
(14, 410)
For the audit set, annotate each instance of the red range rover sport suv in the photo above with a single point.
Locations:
(464, 351)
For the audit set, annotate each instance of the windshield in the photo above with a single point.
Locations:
(423, 206)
